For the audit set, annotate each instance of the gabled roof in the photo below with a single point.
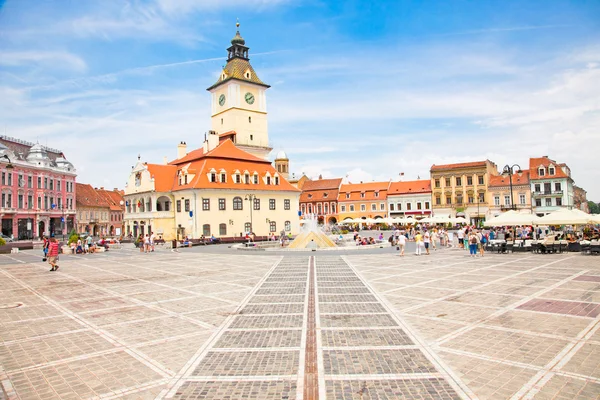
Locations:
(113, 198)
(409, 187)
(364, 187)
(235, 69)
(319, 195)
(87, 196)
(164, 176)
(499, 180)
(225, 150)
(536, 163)
(459, 165)
(322, 184)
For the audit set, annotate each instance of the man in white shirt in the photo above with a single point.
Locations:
(461, 238)
(401, 243)
(427, 241)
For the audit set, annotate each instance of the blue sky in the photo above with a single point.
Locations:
(367, 89)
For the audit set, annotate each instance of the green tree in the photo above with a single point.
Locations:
(594, 207)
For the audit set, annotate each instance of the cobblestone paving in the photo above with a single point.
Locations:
(200, 325)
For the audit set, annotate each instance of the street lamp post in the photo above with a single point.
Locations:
(250, 197)
(509, 171)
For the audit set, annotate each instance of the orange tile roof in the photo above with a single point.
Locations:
(369, 189)
(164, 176)
(319, 195)
(320, 184)
(535, 163)
(87, 196)
(114, 198)
(407, 187)
(499, 180)
(226, 156)
(459, 165)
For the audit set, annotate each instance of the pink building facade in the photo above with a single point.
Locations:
(38, 192)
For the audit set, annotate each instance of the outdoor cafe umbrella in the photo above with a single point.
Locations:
(567, 217)
(513, 218)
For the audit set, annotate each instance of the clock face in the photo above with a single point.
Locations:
(221, 99)
(249, 98)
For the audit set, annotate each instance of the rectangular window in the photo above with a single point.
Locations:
(507, 200)
(51, 184)
(448, 200)
(20, 201)
(559, 201)
(221, 204)
(3, 178)
(482, 197)
(522, 200)
(399, 206)
(58, 185)
(382, 206)
(547, 187)
(46, 202)
(30, 202)
(362, 195)
(537, 187)
(542, 172)
(272, 226)
(21, 182)
(178, 206)
(39, 185)
(351, 207)
(363, 207)
(427, 205)
(448, 184)
(557, 186)
(238, 178)
(271, 204)
(469, 181)
(373, 207)
(45, 183)
(286, 204)
(39, 203)
(459, 200)
(437, 183)
(438, 201)
(256, 179)
(343, 208)
(213, 177)
(480, 179)
(288, 226)
(205, 204)
(551, 171)
(391, 206)
(256, 204)
(419, 206)
(9, 183)
(471, 199)
(408, 206)
(247, 179)
(548, 202)
(538, 202)
(223, 178)
(458, 181)
(187, 205)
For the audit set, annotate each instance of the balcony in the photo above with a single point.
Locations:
(515, 207)
(548, 193)
(8, 210)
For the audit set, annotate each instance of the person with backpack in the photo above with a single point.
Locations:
(473, 241)
(46, 243)
(482, 237)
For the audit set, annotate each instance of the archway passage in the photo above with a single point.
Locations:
(95, 231)
(112, 230)
(332, 220)
(41, 228)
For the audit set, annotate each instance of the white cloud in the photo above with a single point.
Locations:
(47, 59)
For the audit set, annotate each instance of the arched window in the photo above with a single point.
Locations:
(206, 229)
(222, 229)
(238, 203)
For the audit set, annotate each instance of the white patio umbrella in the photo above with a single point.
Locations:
(567, 217)
(596, 218)
(458, 220)
(513, 218)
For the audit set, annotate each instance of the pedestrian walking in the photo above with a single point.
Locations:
(401, 244)
(418, 242)
(426, 241)
(473, 244)
(53, 254)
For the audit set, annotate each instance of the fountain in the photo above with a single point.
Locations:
(311, 236)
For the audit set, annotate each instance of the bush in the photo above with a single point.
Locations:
(2, 242)
(73, 237)
(344, 231)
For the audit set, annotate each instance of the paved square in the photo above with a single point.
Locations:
(212, 324)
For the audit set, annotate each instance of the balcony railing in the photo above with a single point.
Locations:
(548, 193)
(515, 207)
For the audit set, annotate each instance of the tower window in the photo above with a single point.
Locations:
(249, 120)
(251, 137)
(221, 121)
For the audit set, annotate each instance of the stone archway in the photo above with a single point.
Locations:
(332, 220)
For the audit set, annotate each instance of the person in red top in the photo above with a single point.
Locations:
(53, 254)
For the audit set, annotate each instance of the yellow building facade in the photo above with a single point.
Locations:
(462, 189)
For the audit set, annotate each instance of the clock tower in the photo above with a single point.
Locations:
(239, 102)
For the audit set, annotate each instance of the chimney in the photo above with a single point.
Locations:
(165, 160)
(205, 145)
(101, 187)
(213, 140)
(181, 150)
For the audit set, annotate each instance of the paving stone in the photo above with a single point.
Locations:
(566, 388)
(278, 299)
(409, 389)
(349, 308)
(248, 363)
(292, 308)
(359, 298)
(590, 310)
(297, 290)
(365, 337)
(357, 320)
(174, 353)
(552, 324)
(267, 321)
(401, 361)
(258, 390)
(261, 339)
(343, 290)
(33, 328)
(586, 361)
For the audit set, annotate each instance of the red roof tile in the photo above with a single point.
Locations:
(536, 163)
(499, 180)
(321, 184)
(113, 198)
(164, 176)
(87, 196)
(459, 165)
(420, 186)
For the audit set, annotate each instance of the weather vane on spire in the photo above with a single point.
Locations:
(237, 22)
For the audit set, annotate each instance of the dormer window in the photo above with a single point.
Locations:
(376, 194)
(551, 171)
(247, 179)
(362, 195)
(268, 180)
(223, 177)
(238, 178)
(213, 176)
(277, 180)
(325, 194)
(347, 195)
(541, 172)
(247, 74)
(185, 179)
(310, 196)
(255, 178)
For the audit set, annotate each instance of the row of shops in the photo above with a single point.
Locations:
(30, 227)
